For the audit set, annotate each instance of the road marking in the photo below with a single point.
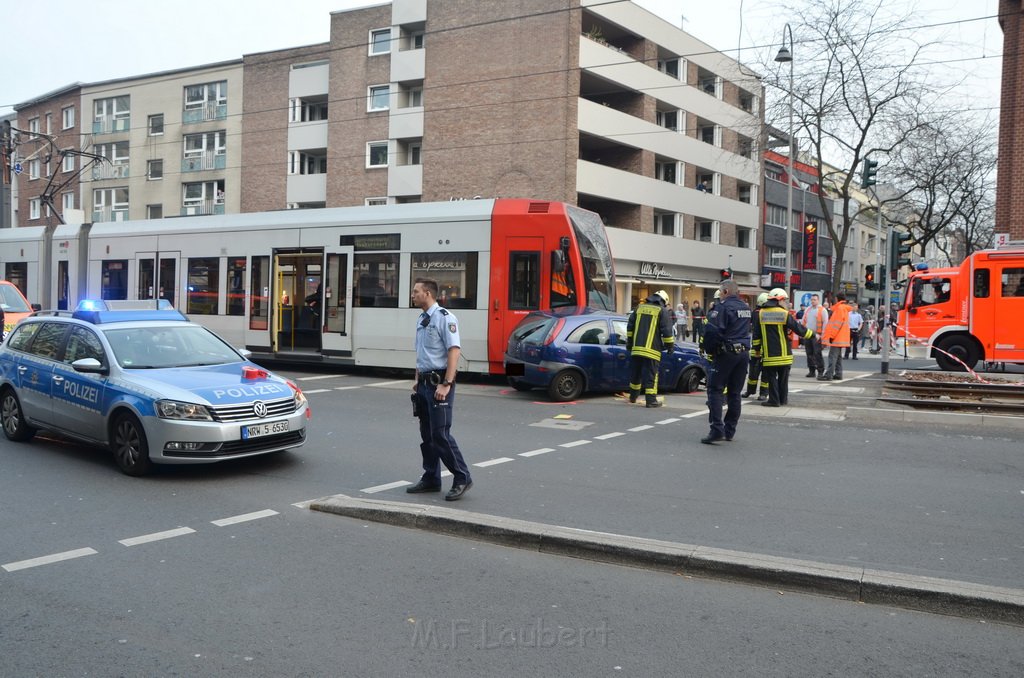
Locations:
(608, 436)
(639, 428)
(667, 421)
(322, 376)
(493, 462)
(345, 388)
(691, 415)
(388, 486)
(316, 390)
(156, 536)
(46, 560)
(304, 504)
(575, 443)
(245, 517)
(534, 453)
(392, 383)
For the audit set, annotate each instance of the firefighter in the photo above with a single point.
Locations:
(754, 376)
(727, 339)
(771, 343)
(649, 331)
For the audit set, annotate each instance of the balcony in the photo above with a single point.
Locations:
(208, 111)
(206, 161)
(205, 207)
(109, 214)
(106, 170)
(409, 64)
(405, 180)
(111, 125)
(306, 188)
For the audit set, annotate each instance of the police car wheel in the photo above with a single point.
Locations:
(689, 380)
(13, 419)
(129, 445)
(567, 385)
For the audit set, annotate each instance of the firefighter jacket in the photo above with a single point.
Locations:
(649, 330)
(837, 331)
(770, 334)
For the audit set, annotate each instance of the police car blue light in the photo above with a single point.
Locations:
(142, 380)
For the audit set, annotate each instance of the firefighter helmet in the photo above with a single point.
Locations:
(718, 294)
(778, 294)
(664, 296)
(762, 299)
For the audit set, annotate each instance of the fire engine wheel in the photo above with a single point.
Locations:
(689, 380)
(961, 348)
(567, 385)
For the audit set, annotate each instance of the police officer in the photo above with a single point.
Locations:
(437, 359)
(771, 342)
(727, 339)
(755, 378)
(649, 331)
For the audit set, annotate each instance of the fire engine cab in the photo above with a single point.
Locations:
(971, 312)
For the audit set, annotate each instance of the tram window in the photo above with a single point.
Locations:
(236, 285)
(524, 281)
(455, 273)
(114, 279)
(377, 276)
(17, 273)
(259, 300)
(203, 285)
(147, 279)
(1013, 282)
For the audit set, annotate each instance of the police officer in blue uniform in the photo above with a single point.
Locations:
(437, 359)
(727, 340)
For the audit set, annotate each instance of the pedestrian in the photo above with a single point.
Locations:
(649, 331)
(856, 323)
(682, 321)
(772, 344)
(697, 319)
(867, 332)
(437, 361)
(755, 376)
(815, 318)
(727, 339)
(837, 338)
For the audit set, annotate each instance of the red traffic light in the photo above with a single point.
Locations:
(725, 273)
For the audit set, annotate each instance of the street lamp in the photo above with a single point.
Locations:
(786, 56)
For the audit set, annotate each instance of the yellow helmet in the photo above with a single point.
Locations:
(664, 296)
(718, 294)
(778, 294)
(762, 299)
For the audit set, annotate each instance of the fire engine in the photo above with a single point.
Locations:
(967, 313)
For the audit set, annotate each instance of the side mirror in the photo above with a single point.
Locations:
(36, 307)
(558, 261)
(89, 366)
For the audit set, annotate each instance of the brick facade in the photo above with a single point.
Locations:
(31, 189)
(1010, 177)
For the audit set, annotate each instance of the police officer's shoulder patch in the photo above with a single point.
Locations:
(453, 328)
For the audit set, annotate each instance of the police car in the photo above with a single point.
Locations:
(145, 383)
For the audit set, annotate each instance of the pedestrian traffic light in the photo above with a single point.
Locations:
(898, 249)
(869, 277)
(725, 273)
(867, 177)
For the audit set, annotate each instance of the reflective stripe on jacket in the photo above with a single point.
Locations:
(770, 330)
(837, 331)
(649, 331)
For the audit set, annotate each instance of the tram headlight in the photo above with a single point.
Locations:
(172, 409)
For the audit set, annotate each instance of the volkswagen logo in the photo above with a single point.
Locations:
(259, 408)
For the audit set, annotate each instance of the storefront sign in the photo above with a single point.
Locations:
(649, 269)
(810, 260)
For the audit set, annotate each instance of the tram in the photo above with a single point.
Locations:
(333, 284)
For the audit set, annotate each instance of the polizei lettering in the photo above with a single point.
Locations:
(76, 391)
(250, 390)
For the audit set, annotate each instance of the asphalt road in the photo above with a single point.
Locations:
(139, 576)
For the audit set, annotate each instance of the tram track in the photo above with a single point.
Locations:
(955, 396)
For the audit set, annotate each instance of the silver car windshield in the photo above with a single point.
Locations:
(163, 347)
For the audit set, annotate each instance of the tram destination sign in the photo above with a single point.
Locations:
(372, 243)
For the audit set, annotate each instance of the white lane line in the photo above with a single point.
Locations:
(245, 517)
(322, 376)
(691, 415)
(304, 504)
(46, 560)
(667, 421)
(388, 486)
(639, 428)
(609, 436)
(493, 462)
(446, 474)
(575, 443)
(407, 382)
(345, 388)
(534, 453)
(316, 390)
(156, 536)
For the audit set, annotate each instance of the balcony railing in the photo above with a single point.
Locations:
(110, 214)
(209, 111)
(107, 170)
(206, 161)
(109, 125)
(193, 209)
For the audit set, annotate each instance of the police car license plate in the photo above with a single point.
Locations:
(265, 429)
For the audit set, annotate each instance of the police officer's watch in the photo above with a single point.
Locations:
(447, 383)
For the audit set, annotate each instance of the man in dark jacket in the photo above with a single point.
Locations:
(649, 331)
(727, 341)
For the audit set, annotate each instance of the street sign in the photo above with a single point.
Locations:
(17, 168)
(1002, 240)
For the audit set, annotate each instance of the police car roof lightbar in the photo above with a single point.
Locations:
(103, 311)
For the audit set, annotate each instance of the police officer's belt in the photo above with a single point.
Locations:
(735, 348)
(434, 377)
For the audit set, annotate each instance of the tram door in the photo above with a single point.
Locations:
(299, 300)
(337, 301)
(157, 275)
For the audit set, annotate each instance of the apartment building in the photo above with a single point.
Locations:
(595, 103)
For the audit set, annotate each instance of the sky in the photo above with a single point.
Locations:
(75, 41)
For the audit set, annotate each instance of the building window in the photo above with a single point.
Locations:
(744, 238)
(155, 169)
(672, 120)
(776, 257)
(110, 204)
(307, 110)
(154, 211)
(207, 151)
(49, 123)
(667, 171)
(203, 197)
(67, 117)
(415, 154)
(707, 134)
(33, 126)
(415, 97)
(33, 208)
(67, 163)
(416, 40)
(67, 202)
(380, 41)
(33, 169)
(208, 101)
(377, 154)
(707, 231)
(744, 193)
(373, 202)
(156, 124)
(377, 98)
(669, 67)
(773, 172)
(112, 114)
(306, 162)
(665, 224)
(776, 216)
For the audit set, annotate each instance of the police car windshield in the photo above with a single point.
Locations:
(162, 347)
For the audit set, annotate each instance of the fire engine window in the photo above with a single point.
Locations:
(1013, 282)
(930, 291)
(981, 283)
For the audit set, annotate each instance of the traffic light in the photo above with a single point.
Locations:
(881, 277)
(898, 249)
(725, 273)
(869, 277)
(869, 170)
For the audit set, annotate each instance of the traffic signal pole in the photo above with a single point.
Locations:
(888, 291)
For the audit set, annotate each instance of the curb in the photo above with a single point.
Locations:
(878, 587)
(961, 419)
